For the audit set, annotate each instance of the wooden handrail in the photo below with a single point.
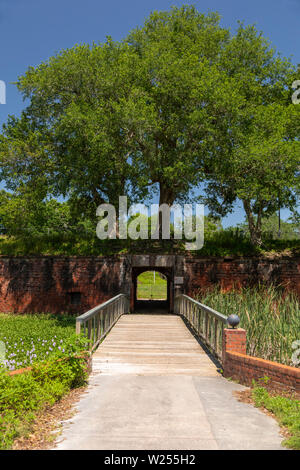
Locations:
(207, 323)
(97, 322)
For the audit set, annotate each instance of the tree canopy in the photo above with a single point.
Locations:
(178, 103)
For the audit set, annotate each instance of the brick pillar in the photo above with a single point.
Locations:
(234, 340)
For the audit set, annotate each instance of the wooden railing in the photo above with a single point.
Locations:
(97, 322)
(206, 322)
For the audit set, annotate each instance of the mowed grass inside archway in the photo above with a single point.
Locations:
(152, 285)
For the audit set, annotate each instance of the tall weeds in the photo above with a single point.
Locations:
(270, 316)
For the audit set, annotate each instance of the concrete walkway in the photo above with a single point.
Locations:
(154, 387)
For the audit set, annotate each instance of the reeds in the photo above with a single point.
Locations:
(270, 315)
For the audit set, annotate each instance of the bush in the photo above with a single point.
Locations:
(23, 396)
(286, 410)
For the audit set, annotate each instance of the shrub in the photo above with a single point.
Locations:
(286, 410)
(22, 396)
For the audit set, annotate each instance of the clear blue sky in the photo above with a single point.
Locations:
(33, 30)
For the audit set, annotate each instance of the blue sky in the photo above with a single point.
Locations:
(33, 30)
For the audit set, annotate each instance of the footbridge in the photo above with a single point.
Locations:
(156, 384)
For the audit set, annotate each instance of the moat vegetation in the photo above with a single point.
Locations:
(270, 316)
(47, 344)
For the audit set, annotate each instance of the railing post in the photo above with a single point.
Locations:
(208, 323)
(78, 327)
(234, 340)
(216, 334)
(98, 331)
(101, 322)
(90, 332)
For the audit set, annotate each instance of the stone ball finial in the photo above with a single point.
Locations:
(233, 320)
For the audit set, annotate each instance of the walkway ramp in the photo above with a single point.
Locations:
(152, 345)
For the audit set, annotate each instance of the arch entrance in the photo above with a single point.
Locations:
(170, 267)
(152, 285)
(152, 289)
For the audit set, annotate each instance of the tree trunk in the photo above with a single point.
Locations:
(255, 227)
(166, 196)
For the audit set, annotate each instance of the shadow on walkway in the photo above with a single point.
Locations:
(151, 307)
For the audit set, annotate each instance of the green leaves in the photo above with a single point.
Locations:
(23, 396)
(286, 410)
(179, 102)
(272, 321)
(81, 150)
(50, 346)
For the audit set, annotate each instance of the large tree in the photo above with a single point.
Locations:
(122, 118)
(180, 101)
(70, 135)
(169, 112)
(210, 106)
(256, 157)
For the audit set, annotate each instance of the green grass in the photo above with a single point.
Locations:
(60, 244)
(148, 289)
(233, 242)
(286, 410)
(29, 339)
(270, 316)
(228, 242)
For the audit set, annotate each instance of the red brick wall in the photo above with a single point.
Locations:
(230, 272)
(246, 368)
(243, 368)
(44, 284)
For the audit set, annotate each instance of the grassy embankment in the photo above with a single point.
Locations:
(229, 242)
